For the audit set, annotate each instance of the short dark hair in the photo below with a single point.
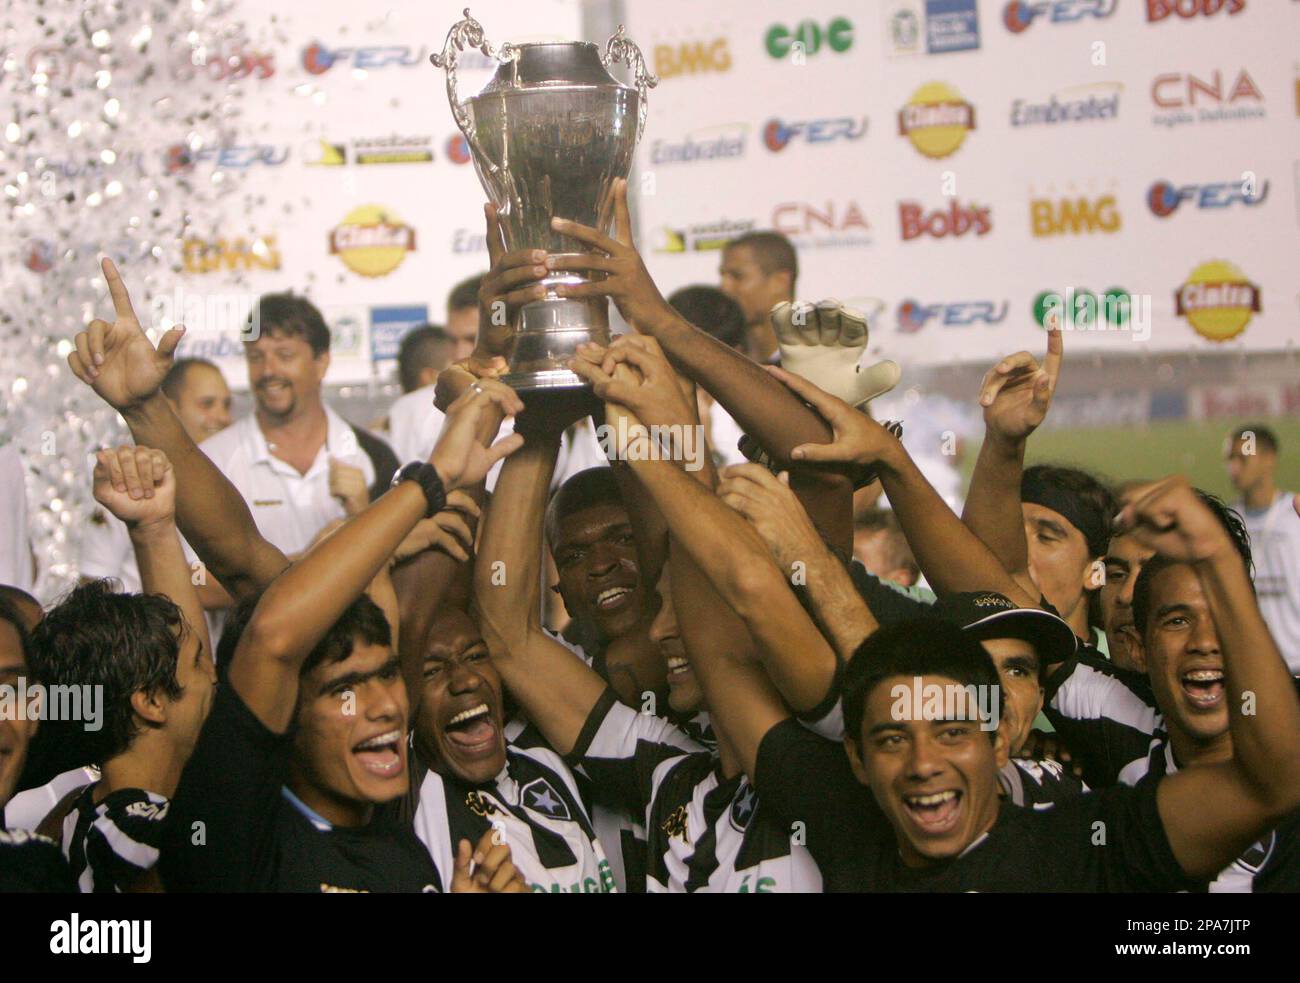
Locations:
(9, 612)
(1264, 436)
(584, 490)
(1232, 523)
(423, 347)
(713, 312)
(123, 643)
(361, 621)
(174, 380)
(924, 646)
(288, 314)
(773, 252)
(465, 293)
(24, 604)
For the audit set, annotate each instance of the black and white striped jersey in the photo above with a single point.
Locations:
(1271, 865)
(705, 832)
(1038, 784)
(111, 845)
(1106, 716)
(535, 806)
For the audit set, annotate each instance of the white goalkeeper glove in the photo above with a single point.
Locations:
(824, 343)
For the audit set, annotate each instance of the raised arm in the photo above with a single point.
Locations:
(124, 368)
(1015, 395)
(1211, 813)
(952, 558)
(769, 413)
(302, 603)
(138, 486)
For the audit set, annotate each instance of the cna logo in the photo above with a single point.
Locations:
(807, 38)
(955, 220)
(913, 315)
(701, 236)
(1164, 197)
(714, 143)
(1217, 300)
(1073, 216)
(829, 225)
(1158, 10)
(1081, 104)
(1188, 98)
(371, 241)
(318, 59)
(777, 135)
(936, 119)
(230, 255)
(180, 158)
(692, 58)
(458, 149)
(935, 26)
(1018, 16)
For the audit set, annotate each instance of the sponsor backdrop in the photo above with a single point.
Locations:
(965, 170)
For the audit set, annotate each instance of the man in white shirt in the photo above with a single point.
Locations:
(198, 395)
(1273, 521)
(279, 457)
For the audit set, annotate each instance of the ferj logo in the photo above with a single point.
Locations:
(936, 119)
(372, 241)
(1217, 300)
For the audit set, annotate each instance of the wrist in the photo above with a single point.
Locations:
(1005, 446)
(146, 411)
(152, 530)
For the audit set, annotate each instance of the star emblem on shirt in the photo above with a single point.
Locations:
(743, 806)
(540, 796)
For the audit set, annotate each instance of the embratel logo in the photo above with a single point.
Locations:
(180, 158)
(692, 58)
(777, 135)
(1073, 216)
(1188, 98)
(318, 59)
(828, 225)
(230, 255)
(1081, 104)
(722, 142)
(1217, 300)
(372, 241)
(1164, 197)
(702, 236)
(808, 38)
(954, 220)
(1158, 10)
(1018, 16)
(942, 26)
(458, 149)
(913, 315)
(936, 119)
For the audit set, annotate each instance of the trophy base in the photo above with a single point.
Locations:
(548, 337)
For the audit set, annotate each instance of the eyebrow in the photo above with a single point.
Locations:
(355, 678)
(1051, 526)
(1022, 662)
(603, 532)
(1116, 561)
(1165, 609)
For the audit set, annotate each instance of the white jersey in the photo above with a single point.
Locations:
(1275, 545)
(534, 804)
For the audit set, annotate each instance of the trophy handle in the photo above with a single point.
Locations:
(467, 33)
(621, 48)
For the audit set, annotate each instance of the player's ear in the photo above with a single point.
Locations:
(149, 706)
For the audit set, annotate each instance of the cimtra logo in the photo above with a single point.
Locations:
(1217, 300)
(936, 119)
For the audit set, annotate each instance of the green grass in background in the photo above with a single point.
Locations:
(1193, 448)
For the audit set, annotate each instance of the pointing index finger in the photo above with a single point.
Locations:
(1055, 355)
(117, 289)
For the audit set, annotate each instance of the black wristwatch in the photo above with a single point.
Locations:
(426, 476)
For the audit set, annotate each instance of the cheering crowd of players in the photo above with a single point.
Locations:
(1087, 697)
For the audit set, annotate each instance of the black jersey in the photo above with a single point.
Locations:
(235, 827)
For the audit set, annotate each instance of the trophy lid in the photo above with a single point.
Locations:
(548, 64)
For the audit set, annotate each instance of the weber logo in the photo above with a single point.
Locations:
(100, 937)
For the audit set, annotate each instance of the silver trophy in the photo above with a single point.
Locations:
(550, 134)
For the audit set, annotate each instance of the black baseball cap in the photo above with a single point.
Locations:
(988, 615)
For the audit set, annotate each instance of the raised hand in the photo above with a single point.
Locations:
(824, 344)
(1017, 392)
(858, 439)
(654, 393)
(118, 360)
(1168, 517)
(348, 485)
(509, 284)
(136, 484)
(773, 510)
(451, 531)
(625, 278)
(486, 869)
(459, 457)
